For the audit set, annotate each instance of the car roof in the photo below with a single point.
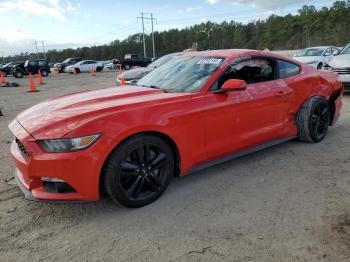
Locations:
(319, 47)
(236, 53)
(221, 53)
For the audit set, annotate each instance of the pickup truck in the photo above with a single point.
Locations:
(134, 60)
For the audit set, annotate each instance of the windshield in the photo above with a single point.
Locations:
(312, 52)
(67, 60)
(161, 61)
(346, 50)
(8, 64)
(182, 74)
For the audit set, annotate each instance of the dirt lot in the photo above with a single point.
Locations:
(287, 203)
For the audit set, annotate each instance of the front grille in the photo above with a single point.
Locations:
(342, 71)
(21, 148)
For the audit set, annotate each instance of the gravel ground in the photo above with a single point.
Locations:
(287, 203)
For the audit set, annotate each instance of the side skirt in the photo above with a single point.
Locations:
(239, 154)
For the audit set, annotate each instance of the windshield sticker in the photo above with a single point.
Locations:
(209, 61)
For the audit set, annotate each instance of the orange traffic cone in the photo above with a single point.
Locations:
(32, 87)
(40, 78)
(92, 71)
(2, 78)
(74, 71)
(122, 82)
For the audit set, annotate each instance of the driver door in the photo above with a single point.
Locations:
(239, 120)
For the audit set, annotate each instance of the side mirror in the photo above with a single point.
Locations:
(232, 85)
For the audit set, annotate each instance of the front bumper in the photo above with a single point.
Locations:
(33, 165)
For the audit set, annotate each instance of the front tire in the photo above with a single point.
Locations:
(319, 66)
(44, 73)
(18, 74)
(98, 69)
(138, 171)
(313, 120)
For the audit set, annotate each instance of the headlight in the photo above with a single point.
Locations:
(327, 68)
(68, 144)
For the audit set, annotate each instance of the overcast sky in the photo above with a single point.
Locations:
(68, 23)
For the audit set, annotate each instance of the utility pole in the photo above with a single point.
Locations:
(154, 48)
(43, 44)
(36, 48)
(143, 32)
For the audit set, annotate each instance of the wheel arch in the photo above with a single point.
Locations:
(332, 105)
(170, 141)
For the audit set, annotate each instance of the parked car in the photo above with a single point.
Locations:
(131, 60)
(341, 65)
(197, 110)
(31, 66)
(69, 61)
(318, 56)
(85, 66)
(7, 68)
(132, 76)
(114, 64)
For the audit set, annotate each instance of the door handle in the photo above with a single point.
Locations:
(282, 93)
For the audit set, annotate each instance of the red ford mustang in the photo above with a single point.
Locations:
(198, 109)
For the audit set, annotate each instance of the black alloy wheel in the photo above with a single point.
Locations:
(320, 120)
(313, 120)
(139, 170)
(143, 172)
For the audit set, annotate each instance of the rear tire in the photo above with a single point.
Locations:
(313, 120)
(138, 171)
(98, 69)
(77, 70)
(319, 66)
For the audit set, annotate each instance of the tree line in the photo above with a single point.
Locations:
(309, 27)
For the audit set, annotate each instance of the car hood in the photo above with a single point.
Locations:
(340, 61)
(56, 117)
(307, 59)
(136, 73)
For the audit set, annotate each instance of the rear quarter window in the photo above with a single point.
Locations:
(287, 69)
(42, 63)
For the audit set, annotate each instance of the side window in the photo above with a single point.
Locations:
(287, 69)
(252, 71)
(32, 63)
(328, 52)
(335, 51)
